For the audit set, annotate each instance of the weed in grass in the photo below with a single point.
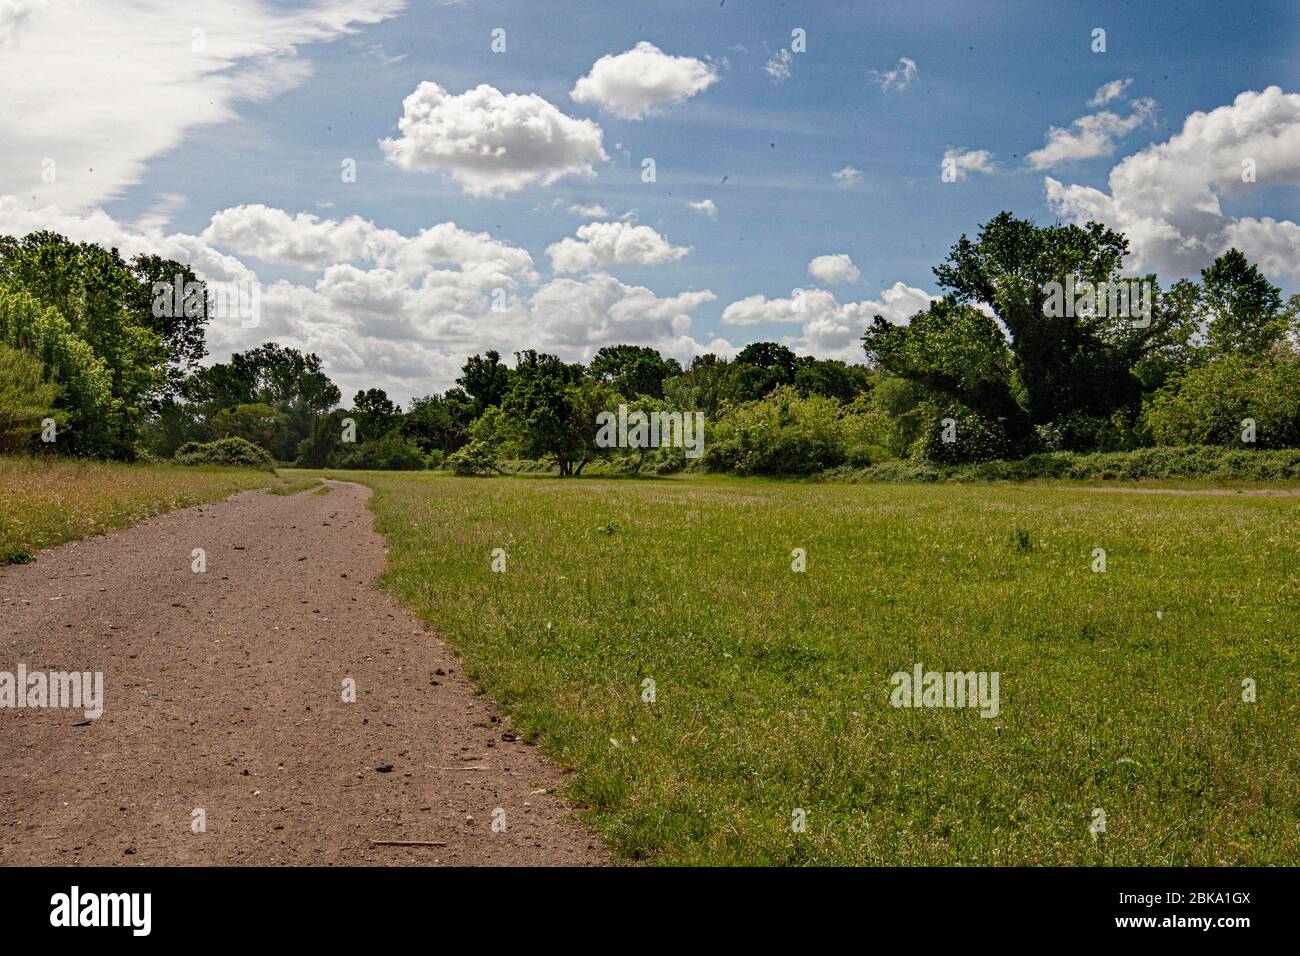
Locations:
(293, 482)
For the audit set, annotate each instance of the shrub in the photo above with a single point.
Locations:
(476, 457)
(390, 453)
(26, 398)
(1193, 462)
(321, 448)
(974, 437)
(85, 381)
(780, 434)
(225, 451)
(1206, 405)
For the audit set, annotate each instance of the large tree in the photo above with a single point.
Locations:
(551, 410)
(761, 367)
(441, 422)
(109, 302)
(1243, 312)
(485, 378)
(1065, 365)
(633, 370)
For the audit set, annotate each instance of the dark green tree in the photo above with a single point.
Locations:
(633, 370)
(375, 414)
(486, 379)
(1243, 311)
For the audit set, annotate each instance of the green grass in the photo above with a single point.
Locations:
(47, 501)
(293, 482)
(1119, 690)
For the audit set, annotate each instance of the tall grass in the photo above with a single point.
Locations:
(45, 501)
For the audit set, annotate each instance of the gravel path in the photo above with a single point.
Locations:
(223, 692)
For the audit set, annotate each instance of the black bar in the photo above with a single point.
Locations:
(383, 906)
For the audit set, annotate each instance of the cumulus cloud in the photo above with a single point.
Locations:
(829, 329)
(848, 177)
(632, 84)
(960, 163)
(1168, 197)
(311, 243)
(705, 207)
(577, 316)
(102, 88)
(398, 312)
(492, 143)
(899, 78)
(594, 211)
(1109, 91)
(834, 269)
(778, 65)
(1090, 136)
(603, 244)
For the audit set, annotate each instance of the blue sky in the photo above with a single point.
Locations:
(993, 77)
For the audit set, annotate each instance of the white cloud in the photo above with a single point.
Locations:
(491, 142)
(899, 78)
(575, 317)
(705, 207)
(602, 244)
(406, 319)
(848, 177)
(632, 84)
(1109, 91)
(160, 213)
(594, 211)
(1167, 198)
(829, 329)
(963, 162)
(1090, 136)
(102, 88)
(778, 65)
(312, 243)
(834, 269)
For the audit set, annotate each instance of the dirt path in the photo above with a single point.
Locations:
(223, 692)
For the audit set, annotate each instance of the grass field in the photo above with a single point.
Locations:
(46, 501)
(1119, 690)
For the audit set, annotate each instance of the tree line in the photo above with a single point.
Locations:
(1035, 345)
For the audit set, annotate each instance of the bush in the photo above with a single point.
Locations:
(390, 453)
(225, 451)
(94, 417)
(781, 434)
(973, 437)
(26, 398)
(321, 448)
(1193, 462)
(476, 457)
(1206, 405)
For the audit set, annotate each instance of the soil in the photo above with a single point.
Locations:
(223, 692)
